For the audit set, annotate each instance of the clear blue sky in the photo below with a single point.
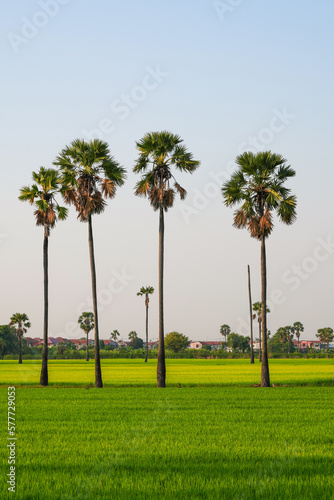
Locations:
(227, 78)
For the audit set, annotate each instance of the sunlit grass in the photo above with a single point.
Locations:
(177, 443)
(188, 373)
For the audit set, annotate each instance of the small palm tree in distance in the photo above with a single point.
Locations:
(86, 322)
(21, 323)
(147, 291)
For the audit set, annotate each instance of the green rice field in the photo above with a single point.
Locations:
(184, 372)
(211, 434)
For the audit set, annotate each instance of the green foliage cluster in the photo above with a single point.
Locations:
(238, 342)
(176, 342)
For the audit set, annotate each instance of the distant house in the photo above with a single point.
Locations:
(62, 340)
(53, 342)
(111, 343)
(151, 345)
(256, 345)
(309, 344)
(33, 342)
(122, 343)
(79, 343)
(198, 344)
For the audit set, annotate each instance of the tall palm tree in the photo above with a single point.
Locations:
(21, 323)
(257, 308)
(325, 335)
(42, 195)
(86, 322)
(225, 330)
(89, 175)
(297, 329)
(148, 290)
(158, 152)
(259, 185)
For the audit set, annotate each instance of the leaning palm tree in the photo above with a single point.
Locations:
(259, 185)
(86, 323)
(158, 152)
(297, 329)
(148, 290)
(89, 175)
(21, 323)
(257, 308)
(42, 195)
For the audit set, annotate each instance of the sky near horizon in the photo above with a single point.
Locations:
(227, 76)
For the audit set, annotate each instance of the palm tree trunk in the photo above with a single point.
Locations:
(260, 351)
(44, 372)
(250, 315)
(265, 379)
(161, 368)
(87, 353)
(98, 374)
(20, 350)
(146, 353)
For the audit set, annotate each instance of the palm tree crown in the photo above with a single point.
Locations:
(158, 152)
(20, 322)
(86, 321)
(225, 330)
(42, 194)
(297, 328)
(89, 175)
(148, 290)
(259, 186)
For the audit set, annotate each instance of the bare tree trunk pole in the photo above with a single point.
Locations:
(44, 372)
(98, 374)
(265, 379)
(161, 368)
(146, 350)
(250, 315)
(20, 350)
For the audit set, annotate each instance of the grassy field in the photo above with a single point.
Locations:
(209, 435)
(187, 373)
(176, 443)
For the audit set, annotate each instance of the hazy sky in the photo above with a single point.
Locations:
(228, 76)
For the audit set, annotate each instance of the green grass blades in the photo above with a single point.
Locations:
(180, 372)
(174, 443)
